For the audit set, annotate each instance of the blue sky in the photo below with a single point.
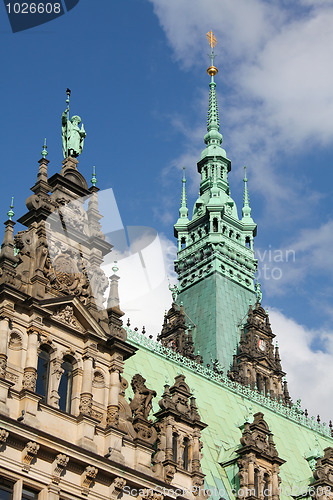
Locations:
(137, 71)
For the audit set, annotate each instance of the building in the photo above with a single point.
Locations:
(93, 409)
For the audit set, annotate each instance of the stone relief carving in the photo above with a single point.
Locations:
(66, 315)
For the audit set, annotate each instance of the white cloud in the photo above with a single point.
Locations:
(308, 372)
(277, 62)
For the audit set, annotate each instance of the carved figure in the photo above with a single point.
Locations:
(142, 401)
(72, 136)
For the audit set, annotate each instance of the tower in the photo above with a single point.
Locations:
(215, 260)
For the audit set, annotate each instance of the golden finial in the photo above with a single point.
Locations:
(212, 70)
(211, 39)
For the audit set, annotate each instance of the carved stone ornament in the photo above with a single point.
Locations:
(3, 435)
(117, 487)
(59, 465)
(169, 473)
(88, 477)
(112, 415)
(3, 366)
(29, 379)
(29, 453)
(142, 401)
(66, 315)
(149, 494)
(323, 472)
(85, 404)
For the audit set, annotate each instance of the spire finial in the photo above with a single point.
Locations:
(212, 70)
(44, 152)
(246, 210)
(10, 212)
(94, 178)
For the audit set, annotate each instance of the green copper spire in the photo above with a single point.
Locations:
(10, 212)
(94, 178)
(183, 211)
(246, 210)
(44, 152)
(215, 260)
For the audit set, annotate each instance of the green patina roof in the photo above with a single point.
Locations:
(225, 406)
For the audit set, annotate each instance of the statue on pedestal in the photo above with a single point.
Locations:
(72, 135)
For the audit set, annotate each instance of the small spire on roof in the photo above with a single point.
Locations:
(94, 178)
(44, 151)
(10, 212)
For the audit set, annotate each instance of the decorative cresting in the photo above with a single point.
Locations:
(179, 427)
(322, 486)
(174, 332)
(141, 406)
(258, 462)
(257, 364)
(215, 259)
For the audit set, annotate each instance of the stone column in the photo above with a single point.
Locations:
(17, 490)
(86, 391)
(196, 451)
(113, 406)
(4, 331)
(116, 368)
(168, 440)
(251, 472)
(30, 370)
(275, 482)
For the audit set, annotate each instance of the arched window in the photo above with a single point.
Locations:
(174, 447)
(66, 385)
(43, 373)
(256, 483)
(215, 225)
(185, 453)
(266, 491)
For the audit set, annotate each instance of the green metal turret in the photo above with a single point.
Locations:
(215, 261)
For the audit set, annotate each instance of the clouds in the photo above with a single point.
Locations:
(308, 371)
(276, 62)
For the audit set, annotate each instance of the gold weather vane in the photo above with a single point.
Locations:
(212, 70)
(211, 39)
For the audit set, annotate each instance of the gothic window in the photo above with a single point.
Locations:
(43, 373)
(215, 225)
(66, 385)
(185, 453)
(174, 447)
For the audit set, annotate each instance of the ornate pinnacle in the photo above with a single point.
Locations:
(94, 178)
(183, 211)
(44, 152)
(246, 210)
(10, 212)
